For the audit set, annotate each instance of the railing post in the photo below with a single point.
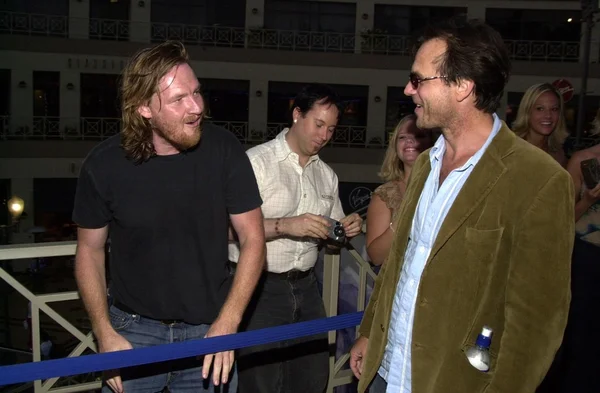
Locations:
(331, 280)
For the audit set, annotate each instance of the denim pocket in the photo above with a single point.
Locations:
(119, 319)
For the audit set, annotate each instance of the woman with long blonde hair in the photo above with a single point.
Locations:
(576, 363)
(406, 143)
(541, 120)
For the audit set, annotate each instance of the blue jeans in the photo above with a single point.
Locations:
(298, 365)
(378, 385)
(182, 375)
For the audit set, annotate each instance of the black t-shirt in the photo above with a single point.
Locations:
(168, 222)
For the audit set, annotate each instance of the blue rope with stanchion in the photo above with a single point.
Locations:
(20, 373)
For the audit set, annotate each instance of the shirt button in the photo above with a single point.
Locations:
(382, 328)
(304, 195)
(421, 249)
(411, 283)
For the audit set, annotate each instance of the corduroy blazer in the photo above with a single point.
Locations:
(502, 258)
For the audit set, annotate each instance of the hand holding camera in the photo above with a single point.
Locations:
(336, 233)
(590, 170)
(306, 225)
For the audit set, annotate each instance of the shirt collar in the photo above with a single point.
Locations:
(437, 151)
(283, 151)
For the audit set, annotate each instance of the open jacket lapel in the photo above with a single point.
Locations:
(485, 175)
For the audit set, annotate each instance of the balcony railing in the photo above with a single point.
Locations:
(312, 41)
(237, 37)
(109, 29)
(33, 24)
(97, 129)
(80, 332)
(234, 37)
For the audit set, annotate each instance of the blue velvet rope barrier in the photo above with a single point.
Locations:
(27, 372)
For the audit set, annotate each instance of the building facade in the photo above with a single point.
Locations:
(60, 61)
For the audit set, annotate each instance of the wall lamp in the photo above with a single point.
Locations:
(22, 84)
(70, 86)
(258, 93)
(377, 99)
(365, 16)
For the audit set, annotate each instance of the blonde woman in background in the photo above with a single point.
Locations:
(541, 120)
(576, 364)
(406, 143)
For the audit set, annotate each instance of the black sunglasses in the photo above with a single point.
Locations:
(415, 81)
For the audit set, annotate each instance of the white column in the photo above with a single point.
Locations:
(258, 106)
(79, 19)
(139, 20)
(595, 43)
(255, 14)
(70, 102)
(476, 10)
(365, 17)
(23, 188)
(376, 113)
(255, 18)
(21, 101)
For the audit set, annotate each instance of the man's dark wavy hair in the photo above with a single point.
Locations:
(476, 52)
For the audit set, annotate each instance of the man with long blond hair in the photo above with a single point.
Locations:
(165, 189)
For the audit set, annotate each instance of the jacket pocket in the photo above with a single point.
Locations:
(482, 250)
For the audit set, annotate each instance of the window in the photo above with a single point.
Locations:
(100, 96)
(109, 20)
(4, 92)
(46, 93)
(315, 16)
(53, 201)
(226, 99)
(398, 106)
(550, 25)
(408, 20)
(228, 13)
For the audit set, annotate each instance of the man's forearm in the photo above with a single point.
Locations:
(91, 281)
(249, 269)
(274, 227)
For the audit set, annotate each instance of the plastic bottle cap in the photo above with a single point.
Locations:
(486, 331)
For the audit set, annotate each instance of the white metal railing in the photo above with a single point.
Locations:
(238, 37)
(313, 41)
(109, 29)
(543, 50)
(199, 35)
(33, 24)
(43, 302)
(99, 128)
(338, 375)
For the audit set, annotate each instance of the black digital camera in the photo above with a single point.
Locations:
(336, 231)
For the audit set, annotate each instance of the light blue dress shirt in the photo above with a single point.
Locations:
(434, 204)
